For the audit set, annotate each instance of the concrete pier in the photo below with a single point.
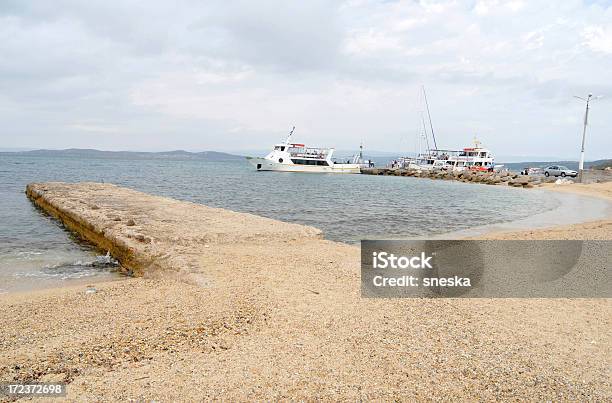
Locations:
(146, 233)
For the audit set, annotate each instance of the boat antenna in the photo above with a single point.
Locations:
(429, 115)
(290, 134)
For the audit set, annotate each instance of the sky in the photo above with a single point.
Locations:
(237, 75)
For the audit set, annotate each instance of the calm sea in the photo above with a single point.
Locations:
(35, 251)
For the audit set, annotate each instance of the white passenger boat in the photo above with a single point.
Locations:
(295, 157)
(475, 158)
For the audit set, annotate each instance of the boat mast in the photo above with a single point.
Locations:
(429, 115)
(425, 133)
(289, 136)
(358, 158)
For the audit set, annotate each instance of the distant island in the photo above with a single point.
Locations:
(84, 152)
(603, 164)
(380, 158)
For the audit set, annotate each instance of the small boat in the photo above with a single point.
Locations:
(296, 157)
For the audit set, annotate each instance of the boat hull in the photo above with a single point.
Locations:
(263, 164)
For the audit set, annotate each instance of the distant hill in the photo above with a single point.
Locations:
(90, 153)
(603, 164)
(379, 157)
(517, 166)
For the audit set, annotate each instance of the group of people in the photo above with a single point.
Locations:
(395, 164)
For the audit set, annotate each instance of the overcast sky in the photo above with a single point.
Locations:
(236, 75)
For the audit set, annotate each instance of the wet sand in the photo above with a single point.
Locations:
(599, 229)
(241, 307)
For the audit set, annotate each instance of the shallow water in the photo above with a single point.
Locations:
(36, 251)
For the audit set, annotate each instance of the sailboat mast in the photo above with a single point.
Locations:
(429, 116)
(425, 133)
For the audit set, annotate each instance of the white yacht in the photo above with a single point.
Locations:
(295, 157)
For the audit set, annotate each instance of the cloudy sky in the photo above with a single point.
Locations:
(236, 75)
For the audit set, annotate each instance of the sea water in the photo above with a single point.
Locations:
(36, 251)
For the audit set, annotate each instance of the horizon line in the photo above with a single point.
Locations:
(26, 149)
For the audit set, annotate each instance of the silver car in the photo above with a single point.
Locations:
(559, 170)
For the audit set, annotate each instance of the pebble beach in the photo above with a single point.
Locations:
(242, 307)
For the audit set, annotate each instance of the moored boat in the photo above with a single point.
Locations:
(297, 157)
(475, 158)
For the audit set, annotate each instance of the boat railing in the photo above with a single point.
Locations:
(310, 153)
(461, 158)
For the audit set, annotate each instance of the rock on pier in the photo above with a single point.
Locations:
(489, 178)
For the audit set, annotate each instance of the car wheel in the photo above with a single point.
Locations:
(546, 174)
(563, 174)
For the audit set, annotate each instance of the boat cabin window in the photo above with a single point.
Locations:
(300, 161)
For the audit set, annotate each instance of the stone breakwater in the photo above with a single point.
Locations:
(488, 178)
(147, 233)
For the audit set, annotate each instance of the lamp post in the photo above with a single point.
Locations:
(588, 99)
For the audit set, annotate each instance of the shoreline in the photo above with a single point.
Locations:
(599, 227)
(589, 206)
(545, 226)
(242, 307)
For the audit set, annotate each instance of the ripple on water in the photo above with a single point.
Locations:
(346, 207)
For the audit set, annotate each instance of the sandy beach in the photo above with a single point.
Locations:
(243, 307)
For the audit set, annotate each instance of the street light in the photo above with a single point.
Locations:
(588, 99)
